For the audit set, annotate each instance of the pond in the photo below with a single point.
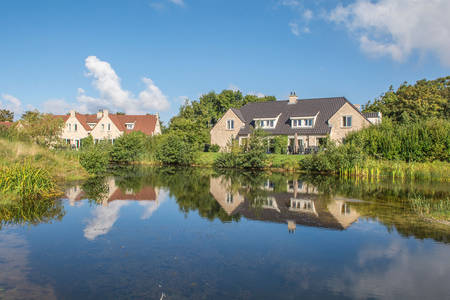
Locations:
(168, 233)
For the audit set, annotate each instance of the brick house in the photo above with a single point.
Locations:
(305, 122)
(105, 126)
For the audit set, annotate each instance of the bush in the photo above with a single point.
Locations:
(129, 147)
(172, 150)
(214, 148)
(412, 142)
(95, 159)
(252, 156)
(279, 144)
(334, 159)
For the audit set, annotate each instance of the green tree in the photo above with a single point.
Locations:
(409, 103)
(172, 150)
(95, 158)
(43, 129)
(129, 147)
(6, 115)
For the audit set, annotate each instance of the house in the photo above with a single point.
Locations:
(373, 117)
(306, 122)
(301, 205)
(105, 126)
(6, 124)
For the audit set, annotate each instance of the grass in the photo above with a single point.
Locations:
(63, 165)
(438, 210)
(27, 182)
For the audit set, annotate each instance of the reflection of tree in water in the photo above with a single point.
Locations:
(95, 189)
(30, 212)
(391, 204)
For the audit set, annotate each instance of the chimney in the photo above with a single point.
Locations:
(99, 114)
(292, 98)
(105, 112)
(72, 113)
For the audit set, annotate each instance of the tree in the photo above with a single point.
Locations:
(43, 129)
(173, 150)
(94, 158)
(424, 100)
(6, 115)
(128, 147)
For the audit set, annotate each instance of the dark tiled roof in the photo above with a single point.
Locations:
(371, 114)
(323, 218)
(324, 108)
(239, 114)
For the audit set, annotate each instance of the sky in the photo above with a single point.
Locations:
(149, 56)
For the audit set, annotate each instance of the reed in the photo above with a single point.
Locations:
(27, 182)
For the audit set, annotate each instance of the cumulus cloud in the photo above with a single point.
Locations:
(396, 28)
(11, 103)
(303, 16)
(111, 94)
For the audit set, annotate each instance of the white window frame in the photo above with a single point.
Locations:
(129, 126)
(345, 121)
(301, 122)
(230, 124)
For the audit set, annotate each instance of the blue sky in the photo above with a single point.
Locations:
(149, 55)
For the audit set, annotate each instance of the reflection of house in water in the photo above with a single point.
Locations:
(301, 204)
(104, 216)
(147, 193)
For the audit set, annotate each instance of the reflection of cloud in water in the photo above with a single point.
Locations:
(152, 206)
(422, 274)
(104, 217)
(14, 271)
(103, 220)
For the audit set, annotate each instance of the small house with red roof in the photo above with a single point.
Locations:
(105, 126)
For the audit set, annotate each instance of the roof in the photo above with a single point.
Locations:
(324, 108)
(143, 123)
(6, 123)
(371, 114)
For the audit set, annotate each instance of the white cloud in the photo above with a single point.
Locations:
(398, 27)
(57, 106)
(294, 28)
(112, 95)
(161, 5)
(13, 104)
(308, 15)
(233, 87)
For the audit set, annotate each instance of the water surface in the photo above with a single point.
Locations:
(160, 233)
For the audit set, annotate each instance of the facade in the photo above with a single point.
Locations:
(105, 126)
(300, 204)
(305, 122)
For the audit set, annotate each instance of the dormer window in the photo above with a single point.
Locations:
(265, 123)
(91, 125)
(302, 123)
(129, 125)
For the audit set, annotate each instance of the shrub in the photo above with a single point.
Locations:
(95, 159)
(412, 142)
(252, 156)
(214, 148)
(129, 147)
(279, 144)
(172, 150)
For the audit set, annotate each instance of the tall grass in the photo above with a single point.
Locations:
(435, 209)
(27, 182)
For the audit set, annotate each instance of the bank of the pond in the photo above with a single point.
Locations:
(370, 168)
(28, 169)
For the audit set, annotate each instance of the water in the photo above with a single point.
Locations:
(195, 234)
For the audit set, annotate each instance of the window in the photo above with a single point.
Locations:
(130, 125)
(103, 126)
(308, 122)
(109, 126)
(70, 127)
(230, 124)
(75, 127)
(347, 121)
(229, 198)
(271, 123)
